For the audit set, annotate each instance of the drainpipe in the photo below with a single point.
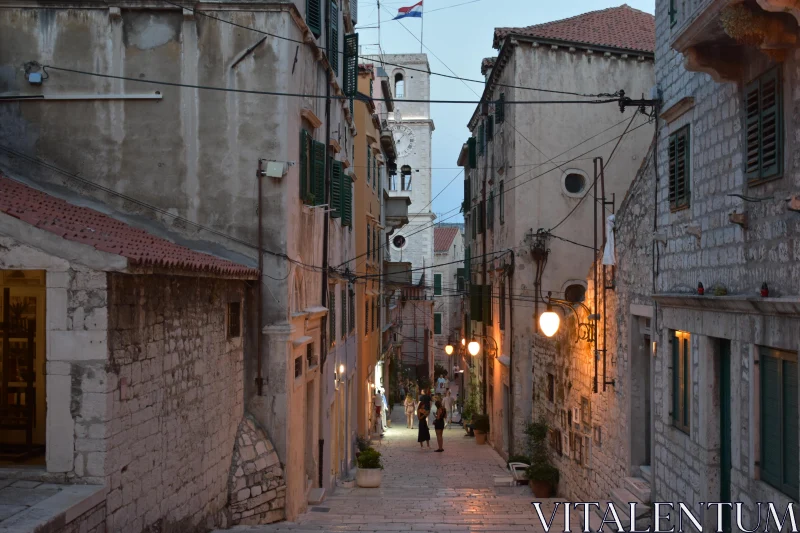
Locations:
(511, 356)
(324, 300)
(259, 311)
(596, 352)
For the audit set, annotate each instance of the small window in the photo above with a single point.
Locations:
(298, 366)
(681, 382)
(437, 323)
(399, 86)
(779, 415)
(551, 386)
(234, 320)
(575, 293)
(460, 278)
(673, 13)
(437, 284)
(574, 183)
(679, 148)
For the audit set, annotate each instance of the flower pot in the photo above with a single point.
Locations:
(541, 489)
(369, 477)
(480, 437)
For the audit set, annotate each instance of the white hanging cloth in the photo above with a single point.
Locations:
(608, 253)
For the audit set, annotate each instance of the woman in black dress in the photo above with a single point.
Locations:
(438, 425)
(424, 433)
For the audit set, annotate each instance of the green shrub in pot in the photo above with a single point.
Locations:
(370, 459)
(481, 423)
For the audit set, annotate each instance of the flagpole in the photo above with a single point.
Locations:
(422, 27)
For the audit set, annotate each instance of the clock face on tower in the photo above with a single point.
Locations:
(403, 139)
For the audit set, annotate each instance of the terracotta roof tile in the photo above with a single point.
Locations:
(443, 238)
(616, 27)
(107, 234)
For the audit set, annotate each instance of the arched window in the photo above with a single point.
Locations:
(399, 86)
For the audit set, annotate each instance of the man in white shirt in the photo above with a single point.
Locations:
(385, 409)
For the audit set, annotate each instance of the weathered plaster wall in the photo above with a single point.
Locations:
(177, 403)
(449, 302)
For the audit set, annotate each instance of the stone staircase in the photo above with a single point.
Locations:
(633, 490)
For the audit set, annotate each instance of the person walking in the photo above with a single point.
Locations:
(378, 403)
(426, 400)
(424, 434)
(438, 425)
(385, 406)
(409, 405)
(448, 405)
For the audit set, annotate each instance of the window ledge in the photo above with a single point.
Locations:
(788, 306)
(678, 109)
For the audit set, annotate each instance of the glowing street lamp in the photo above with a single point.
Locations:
(448, 349)
(474, 347)
(549, 321)
(463, 341)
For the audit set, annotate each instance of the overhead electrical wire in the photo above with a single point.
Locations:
(298, 41)
(300, 95)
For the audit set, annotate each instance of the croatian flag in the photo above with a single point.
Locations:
(413, 11)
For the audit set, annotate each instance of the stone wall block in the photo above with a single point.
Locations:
(60, 451)
(77, 345)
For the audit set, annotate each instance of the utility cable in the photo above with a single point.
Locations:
(303, 95)
(405, 67)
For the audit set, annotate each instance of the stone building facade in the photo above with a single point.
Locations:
(448, 283)
(197, 179)
(528, 169)
(144, 357)
(726, 360)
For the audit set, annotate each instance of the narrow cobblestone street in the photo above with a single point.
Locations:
(426, 491)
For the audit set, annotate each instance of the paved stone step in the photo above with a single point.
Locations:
(639, 487)
(647, 473)
(622, 499)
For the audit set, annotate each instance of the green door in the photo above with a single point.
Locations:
(725, 429)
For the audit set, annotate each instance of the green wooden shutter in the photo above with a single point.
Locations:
(332, 316)
(679, 165)
(437, 323)
(350, 81)
(347, 201)
(352, 321)
(673, 13)
(471, 149)
(481, 139)
(369, 164)
(437, 284)
(314, 17)
(490, 129)
(476, 301)
(486, 305)
(460, 279)
(502, 201)
(318, 187)
(473, 222)
(344, 313)
(304, 167)
(369, 240)
(481, 217)
(686, 385)
(490, 211)
(333, 38)
(500, 109)
(676, 375)
(771, 127)
(336, 189)
(791, 466)
(752, 114)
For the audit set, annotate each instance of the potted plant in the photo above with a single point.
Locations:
(362, 443)
(542, 475)
(370, 469)
(480, 424)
